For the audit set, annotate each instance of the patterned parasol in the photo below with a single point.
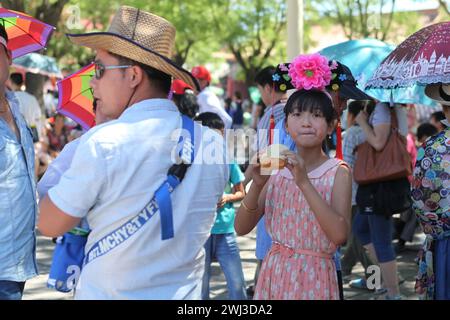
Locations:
(363, 57)
(422, 58)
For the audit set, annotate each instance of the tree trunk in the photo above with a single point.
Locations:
(50, 13)
(178, 59)
(250, 76)
(16, 5)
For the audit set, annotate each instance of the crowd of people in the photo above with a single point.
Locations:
(316, 216)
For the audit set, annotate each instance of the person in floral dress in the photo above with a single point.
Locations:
(430, 190)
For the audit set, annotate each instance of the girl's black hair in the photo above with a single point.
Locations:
(211, 120)
(186, 103)
(3, 33)
(264, 76)
(355, 107)
(426, 129)
(311, 100)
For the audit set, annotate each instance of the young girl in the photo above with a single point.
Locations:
(307, 205)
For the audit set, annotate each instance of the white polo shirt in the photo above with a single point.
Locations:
(115, 171)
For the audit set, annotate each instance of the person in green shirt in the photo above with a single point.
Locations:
(222, 245)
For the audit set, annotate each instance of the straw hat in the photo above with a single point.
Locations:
(140, 36)
(439, 92)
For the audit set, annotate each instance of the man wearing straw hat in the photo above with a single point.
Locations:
(120, 165)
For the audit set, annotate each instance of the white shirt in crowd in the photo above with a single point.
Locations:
(57, 168)
(29, 108)
(209, 102)
(116, 169)
(382, 115)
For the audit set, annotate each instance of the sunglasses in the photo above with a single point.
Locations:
(101, 68)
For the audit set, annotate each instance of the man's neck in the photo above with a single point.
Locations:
(141, 95)
(277, 98)
(2, 99)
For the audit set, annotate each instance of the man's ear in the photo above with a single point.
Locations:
(9, 56)
(136, 76)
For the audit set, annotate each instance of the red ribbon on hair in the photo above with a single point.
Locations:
(272, 118)
(339, 141)
(271, 128)
(339, 154)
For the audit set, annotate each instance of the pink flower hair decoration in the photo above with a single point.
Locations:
(310, 71)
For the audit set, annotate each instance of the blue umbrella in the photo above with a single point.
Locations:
(39, 64)
(363, 57)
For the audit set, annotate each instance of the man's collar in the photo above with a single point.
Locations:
(150, 104)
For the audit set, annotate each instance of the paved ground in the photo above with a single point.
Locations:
(36, 288)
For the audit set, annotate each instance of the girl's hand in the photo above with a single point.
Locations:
(296, 166)
(225, 198)
(259, 178)
(362, 117)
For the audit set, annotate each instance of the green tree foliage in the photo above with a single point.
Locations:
(195, 38)
(445, 6)
(252, 31)
(370, 19)
(79, 16)
(360, 18)
(48, 11)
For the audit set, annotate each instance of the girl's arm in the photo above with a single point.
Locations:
(252, 206)
(376, 136)
(237, 195)
(335, 219)
(251, 209)
(248, 176)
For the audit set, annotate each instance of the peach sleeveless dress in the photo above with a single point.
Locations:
(299, 265)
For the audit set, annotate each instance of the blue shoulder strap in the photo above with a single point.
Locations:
(162, 195)
(161, 201)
